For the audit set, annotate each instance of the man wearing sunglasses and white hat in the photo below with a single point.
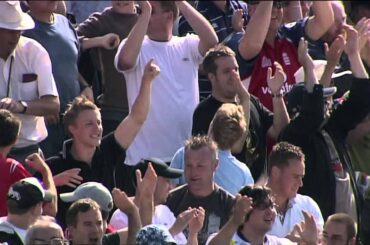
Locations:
(27, 86)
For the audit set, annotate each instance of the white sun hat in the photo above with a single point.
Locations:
(13, 18)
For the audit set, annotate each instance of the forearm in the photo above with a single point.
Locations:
(87, 43)
(140, 108)
(146, 209)
(325, 79)
(46, 105)
(281, 117)
(200, 25)
(321, 21)
(129, 52)
(256, 31)
(357, 67)
(225, 235)
(293, 12)
(48, 182)
(134, 225)
(192, 238)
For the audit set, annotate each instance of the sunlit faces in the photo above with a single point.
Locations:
(162, 189)
(160, 21)
(335, 234)
(200, 166)
(263, 215)
(48, 235)
(226, 78)
(288, 179)
(87, 128)
(89, 228)
(8, 41)
(123, 7)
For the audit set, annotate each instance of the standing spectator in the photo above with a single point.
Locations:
(96, 158)
(11, 170)
(225, 16)
(81, 10)
(266, 40)
(286, 172)
(27, 87)
(118, 20)
(176, 93)
(226, 88)
(200, 190)
(55, 33)
(329, 178)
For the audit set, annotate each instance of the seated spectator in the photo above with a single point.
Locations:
(45, 232)
(321, 133)
(227, 129)
(97, 192)
(55, 33)
(85, 223)
(162, 214)
(227, 88)
(339, 229)
(116, 20)
(253, 216)
(25, 201)
(201, 190)
(267, 41)
(286, 172)
(156, 234)
(11, 170)
(28, 88)
(99, 159)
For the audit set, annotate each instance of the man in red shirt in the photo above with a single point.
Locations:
(11, 170)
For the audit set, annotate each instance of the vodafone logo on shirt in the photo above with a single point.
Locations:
(284, 89)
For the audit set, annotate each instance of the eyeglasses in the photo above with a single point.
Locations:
(53, 241)
(276, 4)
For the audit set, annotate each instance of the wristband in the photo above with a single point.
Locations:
(278, 95)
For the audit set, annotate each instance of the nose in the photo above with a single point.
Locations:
(300, 182)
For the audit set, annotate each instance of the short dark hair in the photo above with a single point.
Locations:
(80, 206)
(258, 193)
(13, 207)
(281, 153)
(347, 220)
(209, 63)
(9, 128)
(79, 104)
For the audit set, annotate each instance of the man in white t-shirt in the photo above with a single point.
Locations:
(176, 92)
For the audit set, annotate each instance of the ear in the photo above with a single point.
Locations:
(211, 77)
(72, 129)
(352, 241)
(215, 163)
(275, 172)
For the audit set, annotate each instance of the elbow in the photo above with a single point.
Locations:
(124, 65)
(250, 50)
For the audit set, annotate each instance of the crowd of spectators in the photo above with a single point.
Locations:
(185, 122)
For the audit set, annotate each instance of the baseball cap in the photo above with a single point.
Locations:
(295, 96)
(160, 167)
(94, 190)
(28, 192)
(155, 234)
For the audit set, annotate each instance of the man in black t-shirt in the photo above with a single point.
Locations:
(223, 72)
(201, 162)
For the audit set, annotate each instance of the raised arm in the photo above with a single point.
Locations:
(281, 117)
(321, 21)
(130, 126)
(243, 205)
(127, 55)
(200, 25)
(256, 31)
(37, 163)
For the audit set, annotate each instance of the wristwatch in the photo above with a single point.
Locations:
(25, 106)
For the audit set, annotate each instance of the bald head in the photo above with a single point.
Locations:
(43, 232)
(340, 18)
